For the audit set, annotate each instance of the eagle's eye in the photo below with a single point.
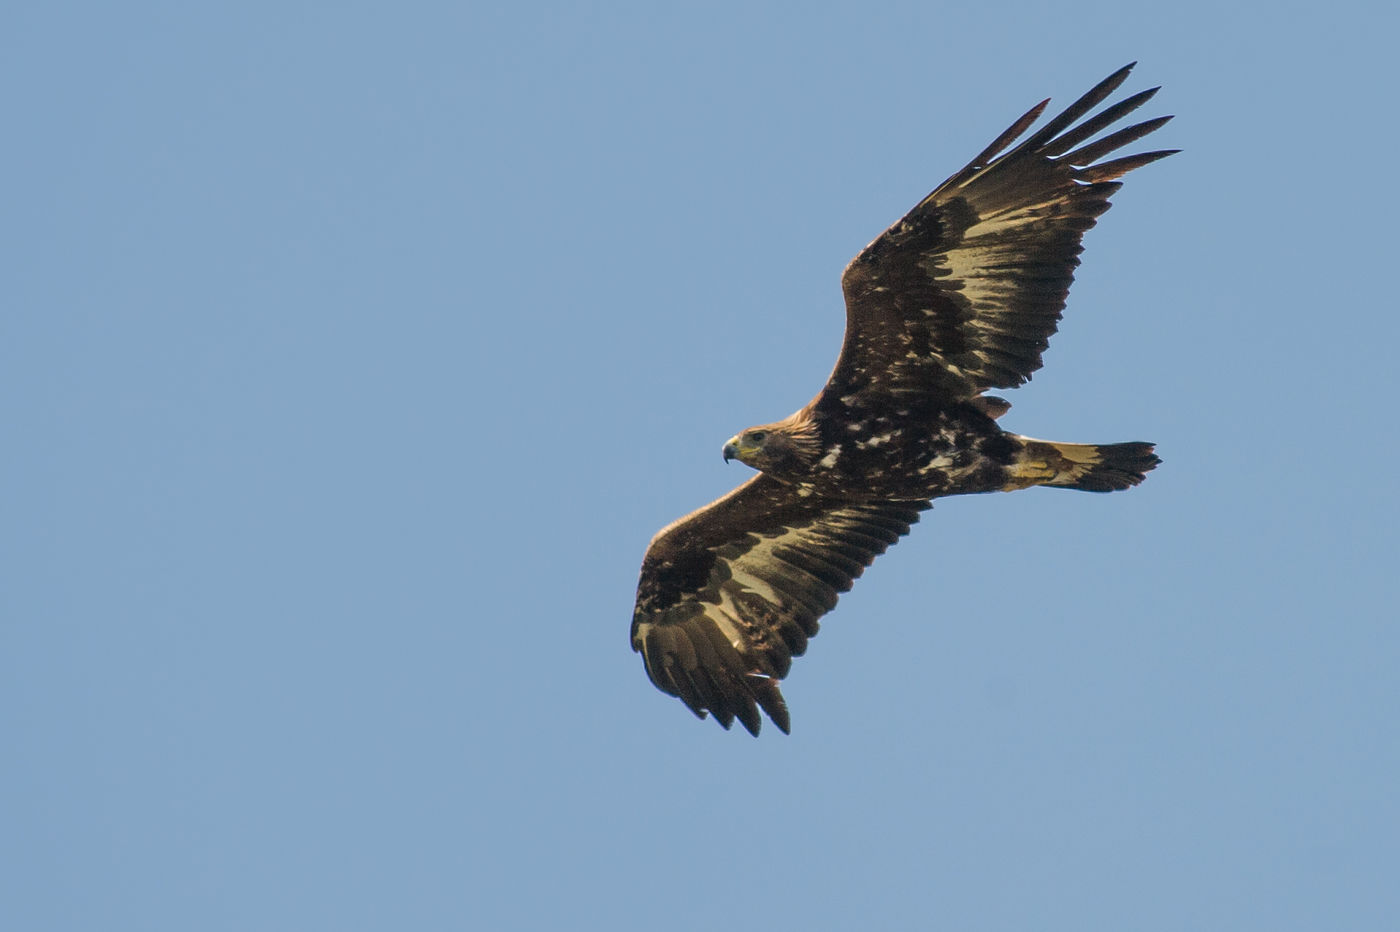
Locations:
(758, 436)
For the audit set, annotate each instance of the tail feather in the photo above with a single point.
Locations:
(1085, 466)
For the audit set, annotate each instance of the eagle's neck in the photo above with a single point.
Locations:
(798, 449)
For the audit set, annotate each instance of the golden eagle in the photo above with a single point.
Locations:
(958, 297)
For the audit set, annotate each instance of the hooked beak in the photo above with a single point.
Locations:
(731, 449)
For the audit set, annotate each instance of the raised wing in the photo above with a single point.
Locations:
(963, 294)
(730, 593)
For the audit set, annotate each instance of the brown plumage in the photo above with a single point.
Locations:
(959, 297)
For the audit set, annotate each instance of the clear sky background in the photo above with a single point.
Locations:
(351, 354)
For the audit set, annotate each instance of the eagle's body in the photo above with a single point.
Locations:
(958, 297)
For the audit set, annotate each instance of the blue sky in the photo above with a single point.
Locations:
(351, 357)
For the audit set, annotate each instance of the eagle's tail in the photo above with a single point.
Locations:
(1085, 466)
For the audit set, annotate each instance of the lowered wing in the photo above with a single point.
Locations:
(730, 593)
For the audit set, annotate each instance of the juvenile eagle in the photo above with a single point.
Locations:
(958, 297)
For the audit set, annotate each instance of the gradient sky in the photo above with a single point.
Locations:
(350, 356)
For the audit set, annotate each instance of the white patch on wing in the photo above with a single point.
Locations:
(828, 461)
(875, 441)
(987, 268)
(763, 575)
(984, 265)
(743, 572)
(750, 568)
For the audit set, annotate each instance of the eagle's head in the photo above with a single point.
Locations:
(786, 448)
